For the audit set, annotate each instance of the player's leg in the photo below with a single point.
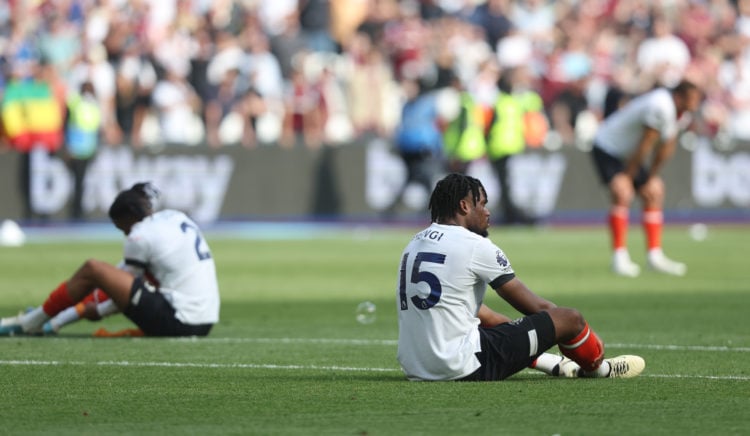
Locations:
(93, 274)
(652, 194)
(94, 307)
(510, 347)
(547, 363)
(578, 342)
(621, 194)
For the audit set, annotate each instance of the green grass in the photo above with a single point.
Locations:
(289, 358)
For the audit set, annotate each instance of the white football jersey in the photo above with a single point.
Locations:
(172, 251)
(443, 277)
(620, 134)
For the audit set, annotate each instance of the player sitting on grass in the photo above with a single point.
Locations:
(445, 330)
(167, 285)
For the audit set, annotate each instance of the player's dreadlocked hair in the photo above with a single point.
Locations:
(448, 193)
(136, 202)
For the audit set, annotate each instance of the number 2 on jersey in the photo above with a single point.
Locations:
(417, 276)
(202, 255)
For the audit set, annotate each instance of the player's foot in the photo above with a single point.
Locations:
(48, 329)
(625, 366)
(623, 266)
(10, 326)
(568, 369)
(658, 262)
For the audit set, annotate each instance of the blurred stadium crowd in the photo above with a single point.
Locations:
(301, 73)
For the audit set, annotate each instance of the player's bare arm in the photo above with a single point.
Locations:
(518, 295)
(490, 318)
(662, 154)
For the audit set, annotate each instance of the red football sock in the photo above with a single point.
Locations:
(618, 226)
(100, 296)
(58, 300)
(586, 349)
(653, 222)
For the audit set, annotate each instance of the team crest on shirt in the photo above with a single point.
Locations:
(501, 259)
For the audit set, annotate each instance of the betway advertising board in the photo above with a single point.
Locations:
(357, 181)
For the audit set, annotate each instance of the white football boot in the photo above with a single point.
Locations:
(625, 366)
(623, 266)
(658, 262)
(11, 326)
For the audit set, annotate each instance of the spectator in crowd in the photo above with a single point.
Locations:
(32, 119)
(303, 110)
(663, 57)
(135, 79)
(408, 38)
(228, 100)
(369, 86)
(408, 41)
(493, 17)
(265, 102)
(177, 105)
(288, 44)
(201, 55)
(94, 67)
(315, 21)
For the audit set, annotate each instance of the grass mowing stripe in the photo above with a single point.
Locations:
(393, 342)
(293, 367)
(192, 365)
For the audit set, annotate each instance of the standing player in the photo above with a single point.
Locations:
(167, 285)
(646, 128)
(447, 333)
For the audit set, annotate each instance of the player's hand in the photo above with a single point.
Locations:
(90, 312)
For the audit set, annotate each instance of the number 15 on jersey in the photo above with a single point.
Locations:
(418, 276)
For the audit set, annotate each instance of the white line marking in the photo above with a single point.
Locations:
(126, 363)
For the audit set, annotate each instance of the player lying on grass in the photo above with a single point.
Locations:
(167, 285)
(445, 330)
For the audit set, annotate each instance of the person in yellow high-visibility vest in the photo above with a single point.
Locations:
(84, 120)
(464, 137)
(517, 121)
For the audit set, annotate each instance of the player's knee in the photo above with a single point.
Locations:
(90, 266)
(568, 322)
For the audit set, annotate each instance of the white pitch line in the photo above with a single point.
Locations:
(294, 367)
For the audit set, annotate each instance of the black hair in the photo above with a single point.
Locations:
(684, 87)
(134, 203)
(448, 193)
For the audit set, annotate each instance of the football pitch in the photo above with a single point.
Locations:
(289, 357)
